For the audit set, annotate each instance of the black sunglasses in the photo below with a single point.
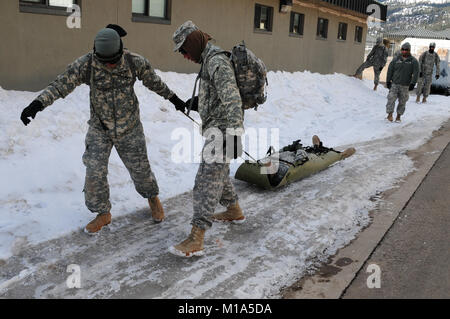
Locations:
(182, 51)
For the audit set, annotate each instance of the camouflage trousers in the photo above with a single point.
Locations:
(132, 150)
(376, 70)
(424, 85)
(401, 93)
(212, 186)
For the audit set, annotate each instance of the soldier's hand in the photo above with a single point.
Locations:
(194, 104)
(31, 111)
(179, 104)
(389, 85)
(411, 86)
(437, 76)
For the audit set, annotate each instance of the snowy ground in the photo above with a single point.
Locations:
(42, 178)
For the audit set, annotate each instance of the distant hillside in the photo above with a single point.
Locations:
(408, 14)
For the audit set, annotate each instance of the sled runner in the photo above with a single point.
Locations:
(295, 162)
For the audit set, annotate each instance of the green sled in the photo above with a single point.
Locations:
(314, 160)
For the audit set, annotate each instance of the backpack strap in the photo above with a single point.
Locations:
(87, 78)
(131, 64)
(199, 77)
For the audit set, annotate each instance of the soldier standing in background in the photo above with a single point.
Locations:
(111, 72)
(377, 58)
(427, 61)
(402, 75)
(219, 104)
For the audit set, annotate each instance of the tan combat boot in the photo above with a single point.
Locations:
(418, 99)
(390, 117)
(232, 214)
(98, 223)
(424, 99)
(157, 209)
(316, 140)
(398, 119)
(347, 153)
(192, 246)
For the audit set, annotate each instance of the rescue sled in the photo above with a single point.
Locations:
(294, 163)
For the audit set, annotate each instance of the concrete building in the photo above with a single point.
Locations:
(40, 38)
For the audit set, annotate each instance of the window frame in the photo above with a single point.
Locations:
(319, 36)
(301, 22)
(357, 39)
(146, 18)
(43, 7)
(339, 31)
(257, 14)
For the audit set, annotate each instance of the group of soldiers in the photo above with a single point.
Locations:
(403, 73)
(110, 71)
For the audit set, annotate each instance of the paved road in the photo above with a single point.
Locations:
(414, 256)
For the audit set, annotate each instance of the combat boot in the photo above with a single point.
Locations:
(418, 99)
(398, 119)
(192, 246)
(375, 87)
(390, 117)
(232, 214)
(98, 223)
(347, 153)
(424, 99)
(156, 209)
(316, 140)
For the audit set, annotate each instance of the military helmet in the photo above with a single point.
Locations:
(432, 45)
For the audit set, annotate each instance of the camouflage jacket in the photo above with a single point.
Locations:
(427, 61)
(114, 105)
(378, 56)
(220, 103)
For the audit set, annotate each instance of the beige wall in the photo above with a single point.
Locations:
(37, 47)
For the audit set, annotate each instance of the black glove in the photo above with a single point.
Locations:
(234, 149)
(411, 86)
(381, 68)
(194, 104)
(31, 111)
(389, 85)
(437, 76)
(420, 74)
(179, 104)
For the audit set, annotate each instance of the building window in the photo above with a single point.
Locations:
(56, 7)
(297, 23)
(342, 31)
(154, 11)
(263, 18)
(358, 34)
(322, 28)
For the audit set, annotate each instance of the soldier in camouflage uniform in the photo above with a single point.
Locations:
(427, 61)
(111, 72)
(377, 59)
(402, 75)
(220, 107)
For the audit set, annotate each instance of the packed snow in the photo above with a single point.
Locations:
(42, 174)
